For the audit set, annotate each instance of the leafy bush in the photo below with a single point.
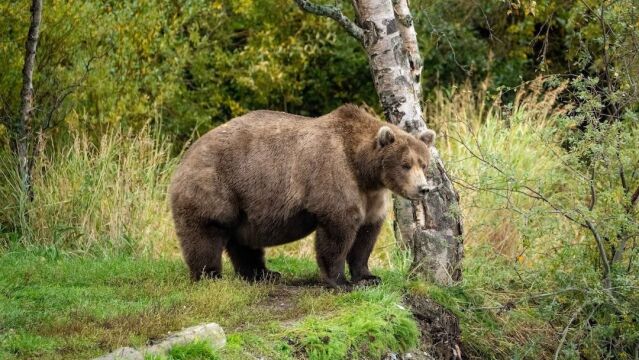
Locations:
(195, 64)
(555, 204)
(190, 65)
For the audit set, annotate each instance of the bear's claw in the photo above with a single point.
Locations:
(263, 275)
(367, 280)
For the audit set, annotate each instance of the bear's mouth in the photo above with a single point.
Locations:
(414, 197)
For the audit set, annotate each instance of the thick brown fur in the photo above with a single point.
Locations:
(268, 178)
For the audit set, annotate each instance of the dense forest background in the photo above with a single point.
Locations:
(196, 64)
(535, 102)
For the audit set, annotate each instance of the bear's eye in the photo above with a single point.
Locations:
(406, 166)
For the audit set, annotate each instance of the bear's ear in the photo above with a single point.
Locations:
(385, 136)
(428, 137)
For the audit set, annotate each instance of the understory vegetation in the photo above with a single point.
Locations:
(66, 306)
(531, 276)
(536, 108)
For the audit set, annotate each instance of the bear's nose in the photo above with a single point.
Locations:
(423, 190)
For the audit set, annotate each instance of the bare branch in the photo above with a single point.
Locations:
(566, 329)
(536, 194)
(334, 13)
(593, 195)
(620, 249)
(632, 255)
(622, 173)
(602, 253)
(606, 57)
(635, 196)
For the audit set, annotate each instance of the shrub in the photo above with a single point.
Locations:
(550, 189)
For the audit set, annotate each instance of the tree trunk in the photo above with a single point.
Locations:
(23, 133)
(431, 229)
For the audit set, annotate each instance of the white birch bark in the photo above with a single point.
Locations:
(431, 228)
(409, 37)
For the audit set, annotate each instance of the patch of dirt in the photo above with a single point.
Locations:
(282, 299)
(441, 335)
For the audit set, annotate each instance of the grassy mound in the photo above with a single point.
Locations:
(59, 306)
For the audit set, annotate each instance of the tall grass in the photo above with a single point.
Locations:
(532, 283)
(108, 196)
(514, 136)
(101, 196)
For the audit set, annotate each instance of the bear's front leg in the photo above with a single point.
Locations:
(249, 263)
(332, 243)
(360, 252)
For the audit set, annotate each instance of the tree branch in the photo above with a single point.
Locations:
(602, 254)
(536, 194)
(566, 329)
(593, 195)
(635, 196)
(334, 13)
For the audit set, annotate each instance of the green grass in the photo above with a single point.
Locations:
(68, 307)
(196, 350)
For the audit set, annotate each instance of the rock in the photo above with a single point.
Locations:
(416, 355)
(212, 333)
(124, 353)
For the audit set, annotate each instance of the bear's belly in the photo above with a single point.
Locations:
(272, 232)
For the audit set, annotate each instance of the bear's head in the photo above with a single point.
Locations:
(405, 159)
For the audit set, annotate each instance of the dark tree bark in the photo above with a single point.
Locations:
(23, 133)
(431, 229)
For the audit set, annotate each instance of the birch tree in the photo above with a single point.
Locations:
(22, 131)
(431, 229)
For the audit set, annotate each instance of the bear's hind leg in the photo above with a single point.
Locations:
(202, 247)
(249, 263)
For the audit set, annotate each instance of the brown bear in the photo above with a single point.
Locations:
(269, 178)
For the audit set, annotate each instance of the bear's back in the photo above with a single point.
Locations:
(269, 162)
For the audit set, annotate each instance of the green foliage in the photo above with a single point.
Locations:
(197, 350)
(194, 64)
(533, 175)
(505, 42)
(366, 329)
(190, 65)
